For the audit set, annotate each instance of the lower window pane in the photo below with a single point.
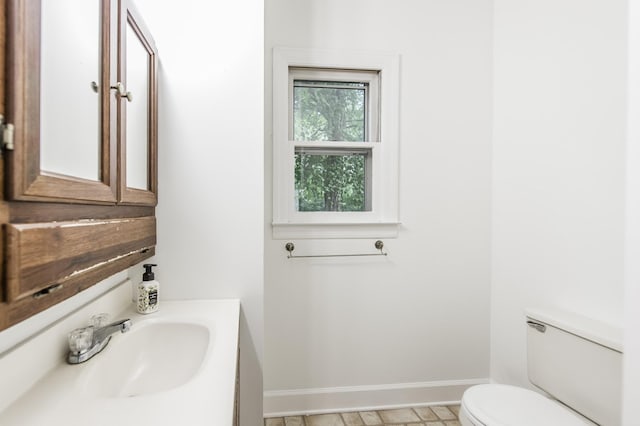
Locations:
(335, 180)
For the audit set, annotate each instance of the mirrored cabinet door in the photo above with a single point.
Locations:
(70, 88)
(58, 98)
(79, 183)
(137, 111)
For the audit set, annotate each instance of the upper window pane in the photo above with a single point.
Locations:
(329, 111)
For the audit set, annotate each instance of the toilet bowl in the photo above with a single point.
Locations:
(504, 405)
(577, 361)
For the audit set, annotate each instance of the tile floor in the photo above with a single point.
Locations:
(417, 416)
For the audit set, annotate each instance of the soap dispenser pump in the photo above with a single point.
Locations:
(148, 290)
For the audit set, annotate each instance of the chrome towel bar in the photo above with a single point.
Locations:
(290, 247)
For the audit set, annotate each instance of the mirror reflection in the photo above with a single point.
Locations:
(69, 89)
(137, 131)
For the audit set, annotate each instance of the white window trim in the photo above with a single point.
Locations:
(383, 220)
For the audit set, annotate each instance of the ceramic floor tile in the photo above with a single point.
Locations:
(426, 413)
(370, 418)
(400, 415)
(444, 413)
(293, 421)
(352, 419)
(418, 416)
(325, 420)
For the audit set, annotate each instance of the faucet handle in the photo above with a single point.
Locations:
(99, 320)
(80, 339)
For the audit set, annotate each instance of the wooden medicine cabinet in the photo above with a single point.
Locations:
(79, 158)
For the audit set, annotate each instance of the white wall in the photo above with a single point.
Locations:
(558, 166)
(421, 315)
(210, 212)
(16, 334)
(632, 266)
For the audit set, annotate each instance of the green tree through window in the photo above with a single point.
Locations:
(330, 180)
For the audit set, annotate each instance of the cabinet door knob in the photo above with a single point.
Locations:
(122, 92)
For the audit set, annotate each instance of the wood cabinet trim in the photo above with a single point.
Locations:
(35, 197)
(25, 180)
(23, 212)
(3, 209)
(40, 255)
(131, 196)
(13, 313)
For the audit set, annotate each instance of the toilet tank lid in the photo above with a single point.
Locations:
(600, 332)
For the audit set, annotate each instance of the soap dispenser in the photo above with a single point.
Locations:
(148, 290)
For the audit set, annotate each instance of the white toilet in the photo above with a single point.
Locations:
(576, 360)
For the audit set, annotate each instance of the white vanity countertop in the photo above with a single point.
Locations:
(71, 394)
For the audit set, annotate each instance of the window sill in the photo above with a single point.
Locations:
(283, 231)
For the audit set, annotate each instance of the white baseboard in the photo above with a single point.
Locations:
(363, 398)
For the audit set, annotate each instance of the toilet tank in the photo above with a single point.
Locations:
(578, 361)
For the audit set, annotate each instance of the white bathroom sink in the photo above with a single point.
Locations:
(152, 357)
(176, 366)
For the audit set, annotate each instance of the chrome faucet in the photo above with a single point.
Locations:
(85, 343)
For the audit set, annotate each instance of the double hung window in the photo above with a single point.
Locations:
(335, 144)
(333, 123)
